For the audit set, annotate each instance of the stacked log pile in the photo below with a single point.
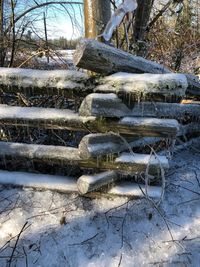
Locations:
(138, 105)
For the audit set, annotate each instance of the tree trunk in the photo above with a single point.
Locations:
(142, 17)
(97, 14)
(2, 56)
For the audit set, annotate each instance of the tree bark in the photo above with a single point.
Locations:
(95, 56)
(97, 13)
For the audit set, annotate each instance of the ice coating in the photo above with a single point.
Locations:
(117, 17)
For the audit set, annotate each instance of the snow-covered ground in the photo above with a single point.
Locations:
(67, 230)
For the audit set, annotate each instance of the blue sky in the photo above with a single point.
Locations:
(64, 21)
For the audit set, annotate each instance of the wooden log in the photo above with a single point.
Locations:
(29, 81)
(144, 85)
(194, 85)
(95, 145)
(153, 126)
(89, 183)
(190, 128)
(101, 58)
(98, 57)
(70, 156)
(166, 110)
(66, 119)
(62, 184)
(68, 185)
(103, 105)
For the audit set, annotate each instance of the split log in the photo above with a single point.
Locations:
(89, 183)
(68, 185)
(33, 82)
(65, 119)
(144, 85)
(95, 145)
(65, 155)
(101, 58)
(166, 110)
(103, 105)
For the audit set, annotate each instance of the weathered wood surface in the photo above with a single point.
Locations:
(98, 57)
(68, 185)
(103, 105)
(190, 128)
(89, 183)
(144, 85)
(166, 110)
(49, 82)
(95, 145)
(194, 85)
(66, 119)
(70, 156)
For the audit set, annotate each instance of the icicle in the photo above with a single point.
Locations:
(117, 17)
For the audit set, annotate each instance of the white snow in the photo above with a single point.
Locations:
(35, 113)
(169, 83)
(105, 232)
(60, 79)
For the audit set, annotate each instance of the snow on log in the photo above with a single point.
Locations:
(48, 118)
(150, 126)
(94, 145)
(65, 119)
(39, 152)
(101, 58)
(70, 156)
(137, 190)
(103, 105)
(68, 185)
(39, 181)
(144, 85)
(31, 81)
(89, 183)
(166, 110)
(154, 161)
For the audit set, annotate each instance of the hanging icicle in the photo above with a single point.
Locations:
(116, 19)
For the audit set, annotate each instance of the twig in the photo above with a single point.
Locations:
(15, 246)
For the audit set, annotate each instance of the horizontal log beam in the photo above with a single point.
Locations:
(166, 110)
(36, 82)
(71, 156)
(144, 85)
(95, 145)
(66, 119)
(68, 185)
(101, 58)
